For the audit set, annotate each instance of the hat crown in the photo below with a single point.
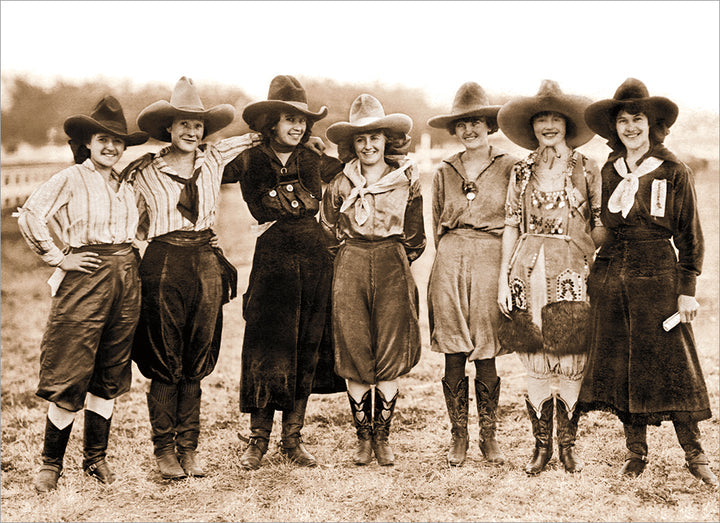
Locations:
(549, 88)
(630, 89)
(470, 96)
(109, 113)
(185, 96)
(365, 107)
(286, 88)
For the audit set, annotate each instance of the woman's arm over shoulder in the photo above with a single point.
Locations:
(228, 148)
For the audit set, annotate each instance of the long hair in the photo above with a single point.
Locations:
(270, 119)
(396, 143)
(79, 149)
(658, 127)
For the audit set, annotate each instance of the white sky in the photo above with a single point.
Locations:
(588, 47)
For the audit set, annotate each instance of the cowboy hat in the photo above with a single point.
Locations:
(107, 117)
(470, 100)
(185, 103)
(515, 117)
(366, 114)
(285, 93)
(598, 115)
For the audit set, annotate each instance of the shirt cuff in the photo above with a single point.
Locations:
(54, 257)
(686, 282)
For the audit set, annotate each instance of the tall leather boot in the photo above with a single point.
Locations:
(261, 421)
(636, 456)
(566, 435)
(53, 453)
(162, 406)
(487, 401)
(542, 428)
(381, 428)
(95, 442)
(188, 426)
(291, 445)
(688, 436)
(362, 418)
(457, 406)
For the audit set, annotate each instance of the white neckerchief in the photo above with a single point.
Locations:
(388, 182)
(623, 197)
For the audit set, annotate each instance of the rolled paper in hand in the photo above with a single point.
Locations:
(671, 322)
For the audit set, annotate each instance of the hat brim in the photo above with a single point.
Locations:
(158, 116)
(81, 126)
(442, 121)
(341, 131)
(253, 112)
(597, 115)
(514, 119)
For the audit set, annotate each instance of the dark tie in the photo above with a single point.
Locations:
(188, 202)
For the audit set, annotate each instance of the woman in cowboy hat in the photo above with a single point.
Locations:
(468, 206)
(183, 288)
(285, 306)
(374, 210)
(551, 227)
(640, 369)
(85, 352)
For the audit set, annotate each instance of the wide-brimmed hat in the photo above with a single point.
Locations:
(107, 117)
(185, 103)
(285, 93)
(515, 117)
(598, 115)
(470, 100)
(367, 114)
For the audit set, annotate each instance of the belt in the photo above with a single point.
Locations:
(106, 249)
(185, 238)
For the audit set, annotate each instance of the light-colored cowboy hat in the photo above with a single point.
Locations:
(598, 115)
(107, 117)
(367, 114)
(285, 93)
(470, 100)
(185, 103)
(515, 117)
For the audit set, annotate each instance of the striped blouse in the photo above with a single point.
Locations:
(158, 194)
(82, 209)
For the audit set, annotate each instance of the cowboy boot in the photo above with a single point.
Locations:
(162, 406)
(457, 406)
(381, 428)
(542, 431)
(261, 421)
(487, 401)
(95, 442)
(636, 456)
(696, 462)
(291, 445)
(53, 453)
(566, 435)
(362, 417)
(188, 427)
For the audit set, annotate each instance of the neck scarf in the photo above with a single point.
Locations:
(392, 180)
(623, 197)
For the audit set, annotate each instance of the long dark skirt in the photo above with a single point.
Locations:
(285, 310)
(635, 369)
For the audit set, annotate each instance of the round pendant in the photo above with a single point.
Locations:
(470, 196)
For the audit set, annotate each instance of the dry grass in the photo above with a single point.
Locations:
(419, 488)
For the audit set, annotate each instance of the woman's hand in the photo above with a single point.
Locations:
(81, 262)
(687, 307)
(316, 145)
(504, 298)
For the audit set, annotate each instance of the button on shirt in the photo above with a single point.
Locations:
(158, 194)
(82, 208)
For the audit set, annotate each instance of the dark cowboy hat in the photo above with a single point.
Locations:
(367, 114)
(598, 115)
(107, 117)
(285, 93)
(515, 117)
(470, 100)
(185, 103)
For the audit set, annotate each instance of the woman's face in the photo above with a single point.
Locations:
(290, 129)
(472, 132)
(105, 149)
(370, 147)
(633, 130)
(186, 133)
(549, 129)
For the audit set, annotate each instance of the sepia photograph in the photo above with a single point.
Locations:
(310, 261)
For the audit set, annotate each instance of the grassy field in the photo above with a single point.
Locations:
(420, 487)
